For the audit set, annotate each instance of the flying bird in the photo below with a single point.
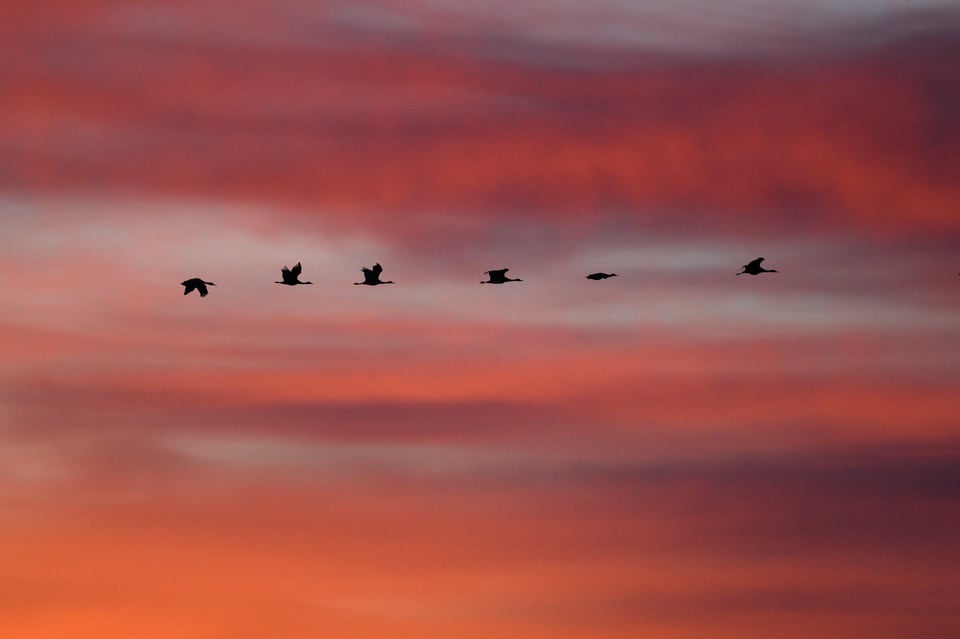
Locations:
(371, 276)
(600, 276)
(291, 276)
(196, 284)
(754, 268)
(499, 276)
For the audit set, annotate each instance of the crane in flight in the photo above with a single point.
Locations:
(196, 284)
(371, 276)
(499, 276)
(600, 276)
(291, 276)
(754, 268)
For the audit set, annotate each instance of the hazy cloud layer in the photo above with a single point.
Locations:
(673, 452)
(825, 136)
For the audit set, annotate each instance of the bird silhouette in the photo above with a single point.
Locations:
(371, 276)
(754, 268)
(196, 284)
(499, 276)
(600, 276)
(291, 276)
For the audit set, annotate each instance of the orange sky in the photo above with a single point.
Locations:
(672, 453)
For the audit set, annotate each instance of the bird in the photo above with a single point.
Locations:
(499, 276)
(600, 276)
(196, 283)
(754, 268)
(371, 276)
(291, 276)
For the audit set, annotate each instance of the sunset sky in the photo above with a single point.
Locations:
(674, 453)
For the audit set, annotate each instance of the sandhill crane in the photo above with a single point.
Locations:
(291, 276)
(499, 276)
(600, 276)
(196, 283)
(754, 268)
(371, 276)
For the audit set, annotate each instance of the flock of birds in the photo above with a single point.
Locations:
(371, 276)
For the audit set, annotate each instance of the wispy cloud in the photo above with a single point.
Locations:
(675, 451)
(860, 140)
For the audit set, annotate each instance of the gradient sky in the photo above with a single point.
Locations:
(672, 453)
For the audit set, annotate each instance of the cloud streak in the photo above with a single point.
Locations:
(673, 452)
(861, 140)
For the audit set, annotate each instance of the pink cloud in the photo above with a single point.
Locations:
(825, 141)
(676, 451)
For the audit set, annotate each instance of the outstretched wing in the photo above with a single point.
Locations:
(377, 269)
(188, 286)
(285, 272)
(202, 287)
(500, 272)
(295, 271)
(754, 264)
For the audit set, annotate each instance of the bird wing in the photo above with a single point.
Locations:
(296, 270)
(497, 272)
(285, 272)
(367, 272)
(202, 287)
(377, 269)
(188, 285)
(754, 264)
